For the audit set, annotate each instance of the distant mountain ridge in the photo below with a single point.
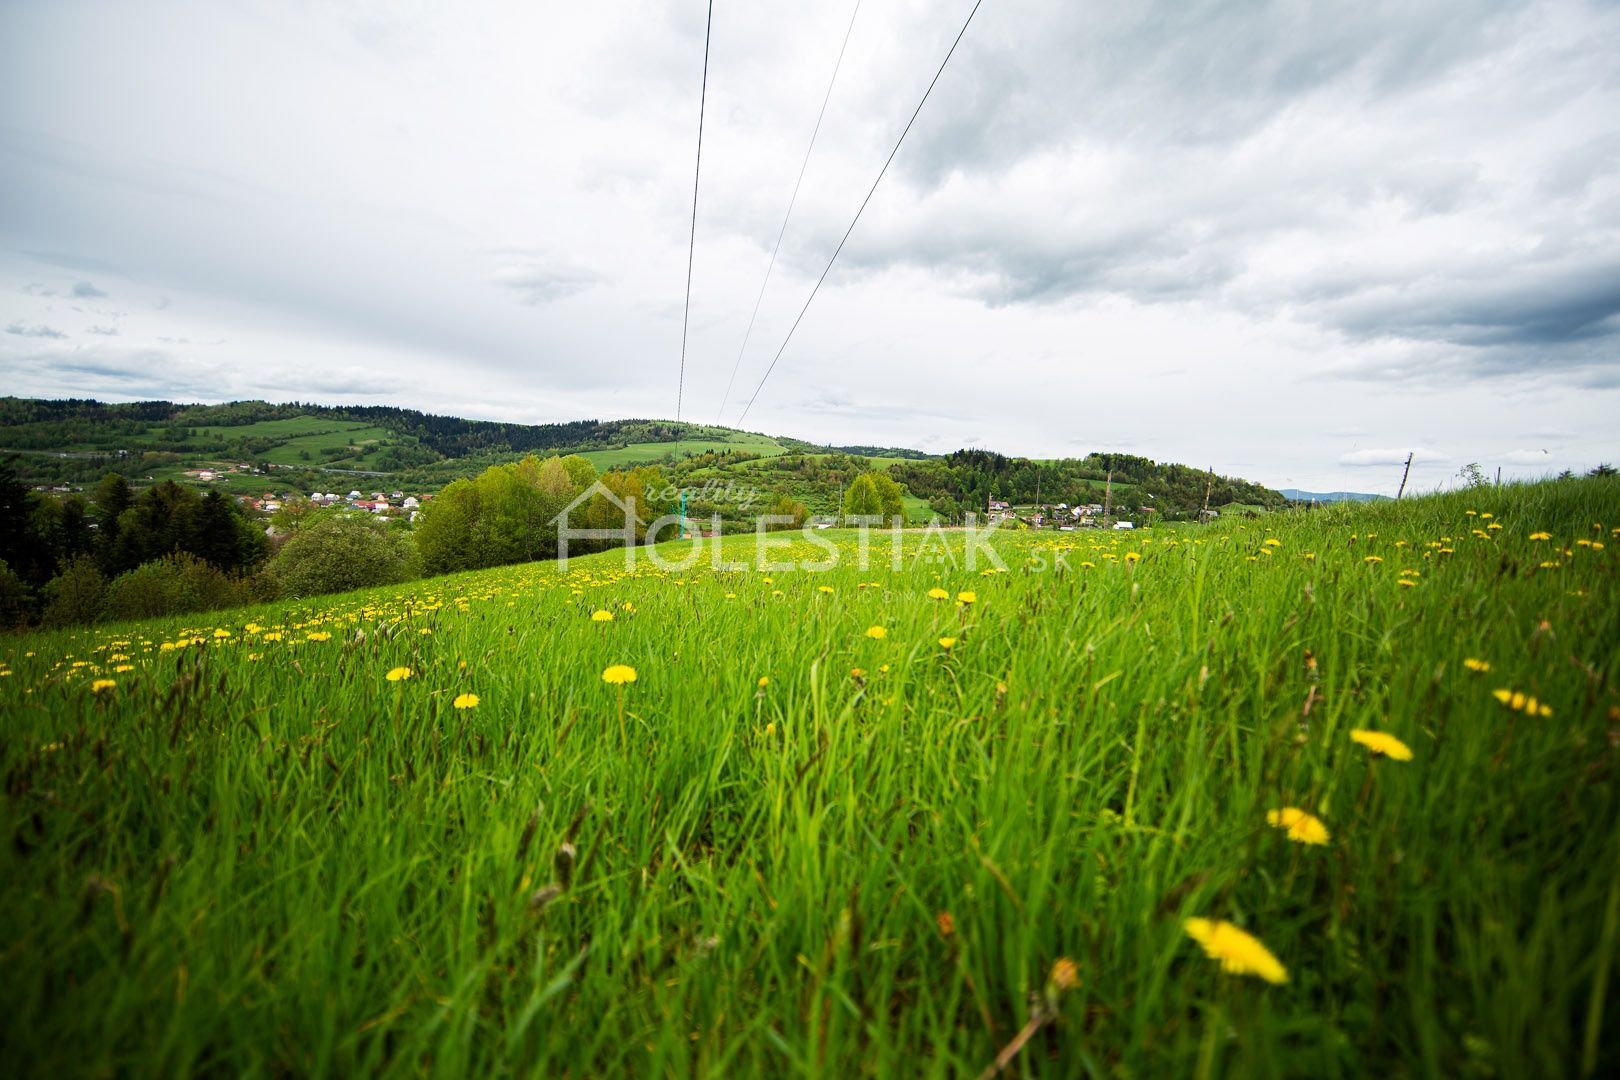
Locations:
(1297, 495)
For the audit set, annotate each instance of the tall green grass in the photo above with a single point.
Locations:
(259, 855)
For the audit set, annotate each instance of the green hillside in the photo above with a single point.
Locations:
(299, 448)
(648, 453)
(1114, 807)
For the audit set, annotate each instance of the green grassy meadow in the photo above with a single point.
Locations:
(793, 846)
(649, 452)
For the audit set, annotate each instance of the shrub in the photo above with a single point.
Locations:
(14, 599)
(873, 495)
(173, 585)
(76, 595)
(342, 552)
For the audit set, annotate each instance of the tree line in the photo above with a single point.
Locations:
(966, 481)
(168, 549)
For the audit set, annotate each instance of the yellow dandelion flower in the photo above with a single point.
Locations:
(1541, 536)
(1065, 974)
(318, 635)
(857, 673)
(1272, 541)
(1302, 828)
(1373, 559)
(877, 632)
(1239, 951)
(1132, 556)
(619, 674)
(601, 615)
(102, 684)
(466, 701)
(947, 643)
(1381, 743)
(1476, 665)
(399, 674)
(937, 593)
(764, 681)
(824, 588)
(967, 597)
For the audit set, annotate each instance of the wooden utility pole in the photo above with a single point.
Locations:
(1209, 489)
(1108, 496)
(1404, 475)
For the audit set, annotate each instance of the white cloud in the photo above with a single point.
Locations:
(1234, 235)
(1364, 458)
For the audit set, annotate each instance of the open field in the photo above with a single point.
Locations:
(292, 427)
(794, 845)
(649, 452)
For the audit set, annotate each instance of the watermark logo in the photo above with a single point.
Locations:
(777, 547)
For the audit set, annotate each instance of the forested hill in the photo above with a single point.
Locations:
(295, 446)
(968, 479)
(35, 424)
(80, 421)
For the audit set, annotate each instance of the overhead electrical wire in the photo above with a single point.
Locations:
(691, 248)
(805, 164)
(817, 288)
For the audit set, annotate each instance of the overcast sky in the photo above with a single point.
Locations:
(1292, 241)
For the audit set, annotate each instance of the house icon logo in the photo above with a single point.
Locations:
(624, 534)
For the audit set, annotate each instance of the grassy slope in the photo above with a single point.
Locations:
(260, 853)
(649, 452)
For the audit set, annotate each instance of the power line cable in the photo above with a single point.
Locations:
(691, 248)
(788, 216)
(949, 53)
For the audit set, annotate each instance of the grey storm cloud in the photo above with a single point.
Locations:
(1565, 305)
(1199, 137)
(1180, 72)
